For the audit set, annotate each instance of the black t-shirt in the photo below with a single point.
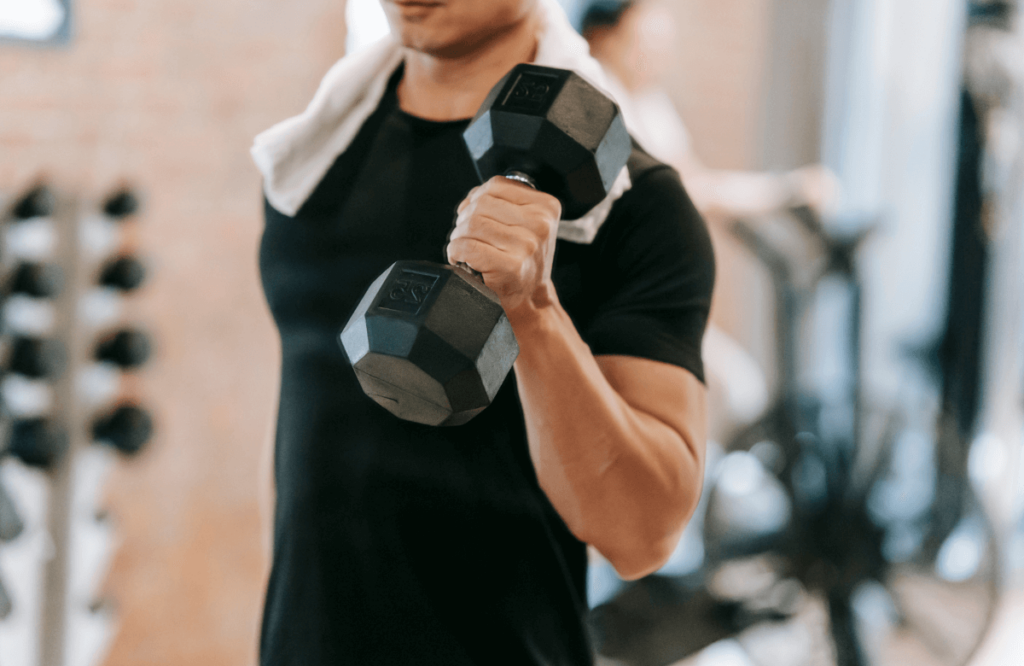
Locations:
(397, 543)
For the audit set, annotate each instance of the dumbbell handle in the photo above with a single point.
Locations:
(519, 177)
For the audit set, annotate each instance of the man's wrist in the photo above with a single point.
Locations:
(540, 311)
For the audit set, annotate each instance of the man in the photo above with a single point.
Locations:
(396, 543)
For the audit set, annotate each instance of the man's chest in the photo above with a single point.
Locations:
(397, 203)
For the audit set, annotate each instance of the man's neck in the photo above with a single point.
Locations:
(452, 88)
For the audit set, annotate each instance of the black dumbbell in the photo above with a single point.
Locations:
(37, 280)
(127, 429)
(38, 442)
(121, 204)
(38, 202)
(37, 358)
(128, 348)
(429, 342)
(123, 273)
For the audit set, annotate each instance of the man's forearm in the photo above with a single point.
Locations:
(624, 480)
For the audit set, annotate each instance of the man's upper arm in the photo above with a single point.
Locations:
(656, 277)
(665, 392)
(647, 336)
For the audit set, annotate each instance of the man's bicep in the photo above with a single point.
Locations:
(668, 393)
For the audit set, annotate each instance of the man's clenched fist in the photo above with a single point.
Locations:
(506, 231)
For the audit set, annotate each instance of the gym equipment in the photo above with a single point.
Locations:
(128, 348)
(429, 342)
(37, 280)
(65, 272)
(37, 202)
(37, 358)
(38, 442)
(127, 429)
(121, 204)
(123, 273)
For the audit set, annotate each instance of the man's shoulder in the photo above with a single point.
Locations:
(656, 184)
(654, 227)
(657, 199)
(641, 163)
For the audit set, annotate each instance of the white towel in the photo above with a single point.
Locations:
(294, 155)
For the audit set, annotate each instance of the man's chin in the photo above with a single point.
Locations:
(434, 44)
(443, 36)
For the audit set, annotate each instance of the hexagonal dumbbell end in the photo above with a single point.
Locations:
(556, 127)
(37, 280)
(37, 358)
(39, 202)
(38, 442)
(418, 353)
(127, 429)
(123, 273)
(128, 348)
(121, 204)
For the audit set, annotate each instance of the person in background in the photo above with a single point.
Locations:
(633, 40)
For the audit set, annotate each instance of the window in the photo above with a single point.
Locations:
(40, 21)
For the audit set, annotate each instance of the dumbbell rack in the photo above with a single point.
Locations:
(60, 622)
(67, 409)
(54, 588)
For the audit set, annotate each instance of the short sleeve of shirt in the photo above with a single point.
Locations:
(653, 275)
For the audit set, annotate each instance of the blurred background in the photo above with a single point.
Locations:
(860, 164)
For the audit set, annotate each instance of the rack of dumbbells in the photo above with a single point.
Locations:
(67, 383)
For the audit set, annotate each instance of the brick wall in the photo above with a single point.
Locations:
(167, 95)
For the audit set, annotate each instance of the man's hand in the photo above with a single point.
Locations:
(506, 231)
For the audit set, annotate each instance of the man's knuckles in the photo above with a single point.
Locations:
(499, 217)
(540, 219)
(466, 250)
(516, 192)
(480, 226)
(513, 241)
